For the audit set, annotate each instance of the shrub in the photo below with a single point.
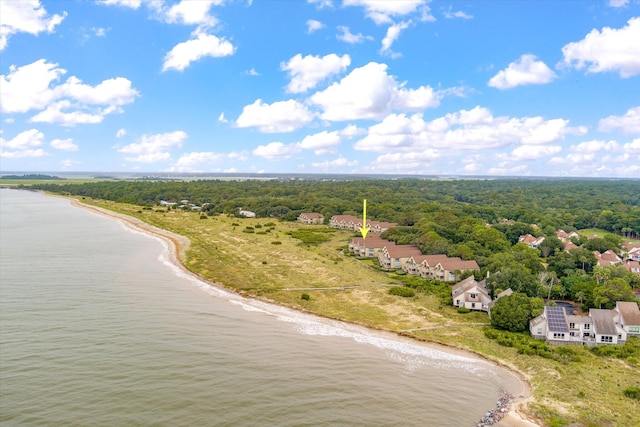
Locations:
(402, 291)
(264, 262)
(305, 297)
(203, 216)
(463, 310)
(632, 392)
(276, 242)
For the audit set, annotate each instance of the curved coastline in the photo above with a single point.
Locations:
(517, 416)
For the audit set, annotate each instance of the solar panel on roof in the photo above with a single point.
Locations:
(556, 319)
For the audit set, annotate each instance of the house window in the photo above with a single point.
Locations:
(587, 326)
(606, 338)
(634, 328)
(572, 334)
(474, 295)
(558, 336)
(619, 337)
(457, 302)
(586, 335)
(473, 305)
(572, 325)
(539, 331)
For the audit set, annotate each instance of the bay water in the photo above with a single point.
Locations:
(99, 328)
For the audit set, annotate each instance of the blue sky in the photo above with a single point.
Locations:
(506, 88)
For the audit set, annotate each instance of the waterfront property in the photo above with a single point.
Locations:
(471, 294)
(601, 326)
(311, 218)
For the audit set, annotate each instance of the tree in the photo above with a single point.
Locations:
(549, 246)
(613, 290)
(513, 312)
(518, 280)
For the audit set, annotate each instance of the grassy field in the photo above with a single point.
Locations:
(269, 259)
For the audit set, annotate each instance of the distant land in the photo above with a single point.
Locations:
(32, 177)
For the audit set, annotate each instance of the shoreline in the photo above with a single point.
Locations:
(516, 416)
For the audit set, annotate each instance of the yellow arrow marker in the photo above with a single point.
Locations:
(364, 229)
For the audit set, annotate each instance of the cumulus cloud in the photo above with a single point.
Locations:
(526, 70)
(628, 124)
(321, 143)
(534, 152)
(347, 37)
(281, 116)
(64, 144)
(475, 129)
(190, 12)
(369, 92)
(306, 72)
(384, 12)
(618, 3)
(133, 4)
(188, 161)
(393, 32)
(313, 25)
(615, 50)
(154, 148)
(25, 144)
(276, 151)
(183, 54)
(30, 88)
(338, 163)
(121, 132)
(25, 16)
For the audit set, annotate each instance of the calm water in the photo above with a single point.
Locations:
(98, 328)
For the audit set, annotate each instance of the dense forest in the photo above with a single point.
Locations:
(471, 219)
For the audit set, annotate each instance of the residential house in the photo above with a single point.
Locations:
(627, 316)
(633, 266)
(420, 265)
(471, 294)
(448, 270)
(394, 256)
(368, 247)
(607, 258)
(633, 253)
(600, 327)
(564, 236)
(311, 218)
(350, 222)
(427, 267)
(530, 240)
(568, 245)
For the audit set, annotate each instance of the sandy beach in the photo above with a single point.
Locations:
(516, 416)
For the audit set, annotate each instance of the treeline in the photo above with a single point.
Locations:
(33, 177)
(471, 219)
(570, 204)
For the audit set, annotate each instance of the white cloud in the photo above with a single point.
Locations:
(64, 144)
(55, 114)
(222, 118)
(393, 32)
(611, 49)
(189, 12)
(189, 160)
(369, 92)
(30, 88)
(27, 88)
(253, 72)
(183, 54)
(633, 148)
(313, 25)
(321, 143)
(595, 146)
(340, 162)
(534, 152)
(121, 132)
(384, 11)
(628, 124)
(67, 163)
(475, 129)
(618, 3)
(450, 14)
(25, 144)
(350, 38)
(306, 72)
(154, 148)
(526, 70)
(281, 116)
(133, 4)
(25, 16)
(276, 151)
(322, 3)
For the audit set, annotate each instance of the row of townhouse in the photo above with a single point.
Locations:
(410, 259)
(311, 218)
(601, 326)
(352, 223)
